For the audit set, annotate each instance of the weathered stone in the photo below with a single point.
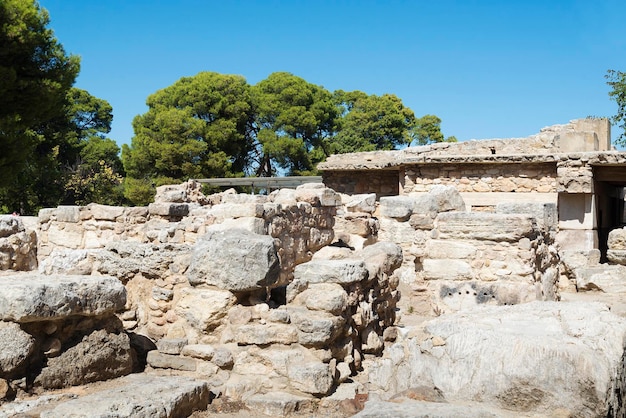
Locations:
(15, 348)
(199, 351)
(485, 226)
(223, 358)
(204, 309)
(410, 408)
(529, 358)
(10, 225)
(316, 328)
(31, 297)
(171, 345)
(617, 239)
(67, 261)
(317, 194)
(397, 207)
(616, 256)
(545, 214)
(266, 334)
(361, 203)
(278, 404)
(331, 271)
(447, 269)
(174, 210)
(314, 378)
(139, 396)
(330, 297)
(105, 213)
(167, 361)
(254, 225)
(99, 356)
(235, 260)
(67, 214)
(606, 278)
(237, 210)
(440, 249)
(381, 258)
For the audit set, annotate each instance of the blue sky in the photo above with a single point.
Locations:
(488, 69)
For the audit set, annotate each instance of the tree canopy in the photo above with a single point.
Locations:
(54, 148)
(617, 81)
(216, 125)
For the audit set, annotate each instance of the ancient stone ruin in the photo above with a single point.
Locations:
(472, 279)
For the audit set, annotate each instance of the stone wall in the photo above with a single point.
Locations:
(518, 178)
(381, 182)
(454, 260)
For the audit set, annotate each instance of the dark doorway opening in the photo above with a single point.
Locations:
(609, 183)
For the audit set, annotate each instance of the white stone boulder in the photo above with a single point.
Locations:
(31, 297)
(234, 259)
(139, 396)
(485, 226)
(15, 348)
(532, 359)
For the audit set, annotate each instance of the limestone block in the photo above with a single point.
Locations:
(139, 396)
(199, 351)
(286, 197)
(204, 309)
(440, 198)
(394, 231)
(171, 345)
(577, 239)
(314, 377)
(252, 224)
(544, 213)
(167, 361)
(317, 194)
(331, 271)
(422, 221)
(66, 235)
(171, 193)
(360, 202)
(617, 239)
(175, 210)
(237, 210)
(316, 328)
(484, 226)
(414, 407)
(441, 249)
(69, 214)
(10, 225)
(606, 278)
(105, 213)
(99, 356)
(16, 346)
(361, 226)
(531, 358)
(381, 258)
(397, 207)
(31, 297)
(576, 211)
(573, 260)
(329, 297)
(262, 334)
(67, 261)
(447, 269)
(616, 256)
(278, 404)
(234, 259)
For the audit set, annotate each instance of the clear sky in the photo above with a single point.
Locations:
(488, 69)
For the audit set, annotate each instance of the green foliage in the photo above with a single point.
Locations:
(35, 76)
(617, 81)
(372, 122)
(214, 125)
(427, 130)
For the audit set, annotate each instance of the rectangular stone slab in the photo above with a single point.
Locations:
(139, 396)
(34, 297)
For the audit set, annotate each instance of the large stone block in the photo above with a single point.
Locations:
(99, 356)
(397, 207)
(235, 260)
(331, 271)
(447, 269)
(441, 249)
(139, 396)
(204, 309)
(532, 359)
(15, 348)
(485, 226)
(32, 297)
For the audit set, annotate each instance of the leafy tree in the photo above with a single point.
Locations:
(195, 128)
(372, 122)
(427, 130)
(617, 81)
(293, 119)
(35, 76)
